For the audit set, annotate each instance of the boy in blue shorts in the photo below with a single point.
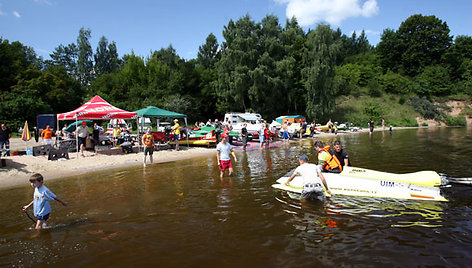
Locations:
(41, 197)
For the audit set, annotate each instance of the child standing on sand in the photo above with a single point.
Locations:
(41, 197)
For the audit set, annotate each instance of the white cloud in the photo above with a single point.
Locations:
(45, 2)
(16, 14)
(309, 12)
(1, 11)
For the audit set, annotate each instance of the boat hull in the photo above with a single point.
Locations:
(387, 185)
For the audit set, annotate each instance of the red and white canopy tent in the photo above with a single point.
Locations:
(98, 109)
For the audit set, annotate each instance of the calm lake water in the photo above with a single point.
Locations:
(180, 215)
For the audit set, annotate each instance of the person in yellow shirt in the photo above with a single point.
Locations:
(148, 143)
(116, 134)
(176, 130)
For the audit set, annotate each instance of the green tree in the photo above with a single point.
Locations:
(457, 53)
(239, 56)
(106, 57)
(389, 51)
(423, 40)
(289, 67)
(84, 57)
(14, 59)
(433, 81)
(319, 60)
(208, 53)
(65, 56)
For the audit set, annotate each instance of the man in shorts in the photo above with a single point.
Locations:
(313, 180)
(148, 143)
(176, 130)
(285, 135)
(223, 150)
(82, 134)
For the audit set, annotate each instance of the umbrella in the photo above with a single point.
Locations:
(26, 135)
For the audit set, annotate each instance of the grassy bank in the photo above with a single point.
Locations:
(360, 110)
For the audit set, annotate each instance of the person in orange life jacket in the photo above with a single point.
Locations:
(327, 159)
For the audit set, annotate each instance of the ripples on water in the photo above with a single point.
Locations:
(181, 214)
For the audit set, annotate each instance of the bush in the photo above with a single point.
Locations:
(409, 122)
(424, 124)
(374, 88)
(394, 83)
(402, 100)
(467, 111)
(426, 108)
(455, 121)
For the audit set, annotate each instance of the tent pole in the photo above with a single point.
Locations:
(137, 128)
(186, 131)
(76, 137)
(57, 130)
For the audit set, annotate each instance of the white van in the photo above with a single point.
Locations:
(120, 123)
(237, 120)
(147, 123)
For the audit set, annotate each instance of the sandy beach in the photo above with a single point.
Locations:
(19, 168)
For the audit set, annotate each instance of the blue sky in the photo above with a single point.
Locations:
(143, 26)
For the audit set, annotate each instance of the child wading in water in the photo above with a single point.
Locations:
(41, 197)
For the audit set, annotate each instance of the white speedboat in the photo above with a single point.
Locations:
(353, 181)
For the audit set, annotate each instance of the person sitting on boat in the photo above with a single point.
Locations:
(327, 159)
(312, 180)
(341, 154)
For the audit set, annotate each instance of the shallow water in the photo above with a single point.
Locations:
(180, 214)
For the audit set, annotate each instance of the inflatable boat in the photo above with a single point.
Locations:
(353, 181)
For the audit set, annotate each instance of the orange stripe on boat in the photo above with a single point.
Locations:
(421, 196)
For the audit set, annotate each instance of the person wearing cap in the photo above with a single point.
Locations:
(313, 180)
(82, 133)
(223, 149)
(176, 129)
(46, 135)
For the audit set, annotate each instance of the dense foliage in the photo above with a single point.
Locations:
(260, 67)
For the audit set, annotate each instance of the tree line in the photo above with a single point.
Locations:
(261, 67)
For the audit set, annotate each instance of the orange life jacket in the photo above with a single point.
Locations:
(332, 162)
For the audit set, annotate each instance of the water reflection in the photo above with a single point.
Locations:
(398, 213)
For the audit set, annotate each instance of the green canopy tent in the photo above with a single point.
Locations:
(155, 112)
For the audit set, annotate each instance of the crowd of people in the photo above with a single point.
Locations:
(314, 184)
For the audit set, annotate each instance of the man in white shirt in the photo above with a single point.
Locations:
(312, 180)
(82, 134)
(223, 149)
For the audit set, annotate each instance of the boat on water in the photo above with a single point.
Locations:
(353, 181)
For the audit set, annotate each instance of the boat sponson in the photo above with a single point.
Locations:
(424, 178)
